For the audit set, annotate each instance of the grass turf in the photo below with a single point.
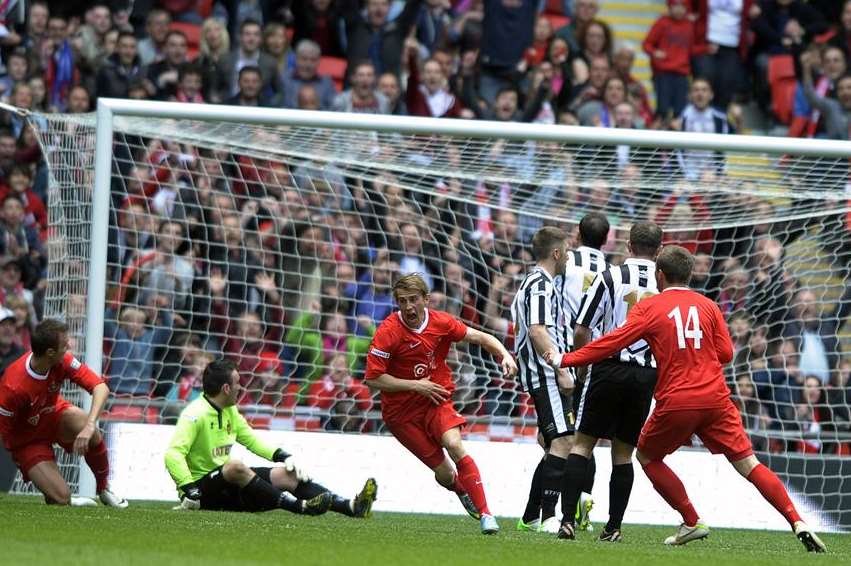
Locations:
(150, 533)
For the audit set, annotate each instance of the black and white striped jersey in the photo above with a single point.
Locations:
(583, 264)
(610, 297)
(537, 302)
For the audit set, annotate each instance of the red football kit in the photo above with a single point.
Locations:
(407, 353)
(689, 338)
(31, 407)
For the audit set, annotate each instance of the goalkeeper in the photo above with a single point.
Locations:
(198, 459)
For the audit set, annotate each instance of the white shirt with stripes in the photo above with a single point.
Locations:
(610, 297)
(583, 264)
(536, 302)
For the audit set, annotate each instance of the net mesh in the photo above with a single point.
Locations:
(275, 247)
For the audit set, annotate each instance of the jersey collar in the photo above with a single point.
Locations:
(639, 261)
(414, 330)
(544, 272)
(33, 374)
(592, 251)
(676, 289)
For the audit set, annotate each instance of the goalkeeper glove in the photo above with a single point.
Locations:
(191, 500)
(291, 465)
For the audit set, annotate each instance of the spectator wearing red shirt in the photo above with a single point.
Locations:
(669, 44)
(338, 385)
(429, 96)
(19, 182)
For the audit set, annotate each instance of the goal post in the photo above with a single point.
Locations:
(317, 210)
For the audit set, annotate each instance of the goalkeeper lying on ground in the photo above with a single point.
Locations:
(199, 461)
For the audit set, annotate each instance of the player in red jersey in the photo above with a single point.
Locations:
(407, 363)
(34, 416)
(689, 338)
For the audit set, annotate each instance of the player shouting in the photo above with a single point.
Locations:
(407, 363)
(34, 417)
(198, 460)
(689, 338)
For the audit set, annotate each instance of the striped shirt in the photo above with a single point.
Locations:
(610, 297)
(583, 264)
(536, 302)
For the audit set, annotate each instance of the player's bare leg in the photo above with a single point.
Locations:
(359, 506)
(773, 490)
(49, 481)
(469, 477)
(672, 490)
(71, 422)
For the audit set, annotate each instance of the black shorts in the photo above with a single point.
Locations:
(554, 411)
(218, 494)
(615, 401)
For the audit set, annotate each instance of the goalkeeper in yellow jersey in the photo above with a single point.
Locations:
(198, 459)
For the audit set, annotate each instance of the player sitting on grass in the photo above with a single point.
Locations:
(34, 416)
(407, 363)
(199, 461)
(689, 339)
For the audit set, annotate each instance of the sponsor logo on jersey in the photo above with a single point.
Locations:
(379, 353)
(75, 363)
(420, 370)
(413, 345)
(219, 451)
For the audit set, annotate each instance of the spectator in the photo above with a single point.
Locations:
(79, 100)
(189, 84)
(569, 69)
(362, 97)
(152, 48)
(19, 183)
(412, 255)
(388, 85)
(19, 240)
(371, 296)
(25, 320)
(819, 350)
(163, 75)
(755, 417)
(61, 65)
(601, 113)
(699, 116)
(541, 39)
(839, 400)
(9, 349)
(343, 398)
(308, 98)
(166, 272)
(842, 37)
(837, 113)
(194, 361)
(305, 73)
(39, 91)
(36, 33)
(17, 71)
(92, 39)
(585, 11)
(303, 347)
(375, 38)
(592, 89)
(595, 40)
(318, 21)
(244, 346)
(670, 44)
(249, 54)
(507, 31)
(466, 30)
(268, 385)
(637, 94)
(722, 32)
(734, 289)
(215, 45)
(807, 121)
(120, 69)
(814, 418)
(250, 91)
(276, 44)
(133, 348)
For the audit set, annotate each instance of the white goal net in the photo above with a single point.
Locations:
(275, 246)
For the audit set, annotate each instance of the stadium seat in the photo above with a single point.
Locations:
(782, 81)
(193, 37)
(334, 67)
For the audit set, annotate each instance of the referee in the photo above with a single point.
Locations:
(537, 315)
(198, 460)
(616, 396)
(582, 265)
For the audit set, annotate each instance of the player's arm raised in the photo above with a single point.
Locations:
(495, 347)
(598, 350)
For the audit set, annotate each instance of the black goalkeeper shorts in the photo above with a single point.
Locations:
(218, 494)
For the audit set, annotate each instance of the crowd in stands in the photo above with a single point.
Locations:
(287, 270)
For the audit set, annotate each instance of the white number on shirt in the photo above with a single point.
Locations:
(691, 329)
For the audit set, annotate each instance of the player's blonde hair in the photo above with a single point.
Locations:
(413, 282)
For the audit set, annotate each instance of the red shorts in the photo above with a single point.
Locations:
(35, 445)
(421, 434)
(719, 429)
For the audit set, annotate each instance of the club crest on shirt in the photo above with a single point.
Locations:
(420, 370)
(228, 427)
(33, 420)
(54, 386)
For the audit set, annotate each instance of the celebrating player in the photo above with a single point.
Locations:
(689, 338)
(616, 396)
(34, 416)
(407, 363)
(199, 461)
(582, 265)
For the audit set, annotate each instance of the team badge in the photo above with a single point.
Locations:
(33, 420)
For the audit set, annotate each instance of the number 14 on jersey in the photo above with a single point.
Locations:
(691, 330)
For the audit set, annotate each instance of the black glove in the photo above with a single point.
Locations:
(280, 456)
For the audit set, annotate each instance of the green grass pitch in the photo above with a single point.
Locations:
(150, 533)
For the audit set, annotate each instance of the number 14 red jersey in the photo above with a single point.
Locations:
(689, 339)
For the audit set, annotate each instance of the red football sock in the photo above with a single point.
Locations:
(457, 486)
(98, 461)
(773, 490)
(468, 476)
(672, 490)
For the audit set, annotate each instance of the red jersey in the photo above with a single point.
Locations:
(677, 39)
(25, 395)
(407, 353)
(689, 338)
